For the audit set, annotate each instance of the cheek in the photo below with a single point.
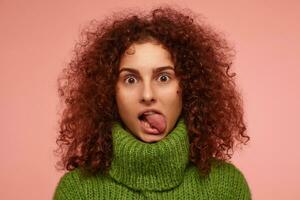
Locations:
(171, 97)
(121, 98)
(125, 99)
(121, 93)
(179, 93)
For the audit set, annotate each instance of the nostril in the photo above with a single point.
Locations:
(148, 100)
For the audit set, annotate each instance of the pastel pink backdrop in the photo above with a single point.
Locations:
(36, 41)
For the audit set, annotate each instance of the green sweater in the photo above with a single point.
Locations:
(154, 171)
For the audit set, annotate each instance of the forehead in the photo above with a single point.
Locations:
(146, 56)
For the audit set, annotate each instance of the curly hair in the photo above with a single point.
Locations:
(212, 107)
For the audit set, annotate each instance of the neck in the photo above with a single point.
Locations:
(150, 166)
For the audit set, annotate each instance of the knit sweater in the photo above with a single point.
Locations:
(154, 171)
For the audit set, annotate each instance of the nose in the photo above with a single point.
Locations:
(147, 94)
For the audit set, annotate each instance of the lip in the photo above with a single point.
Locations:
(149, 110)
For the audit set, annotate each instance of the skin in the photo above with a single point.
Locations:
(147, 80)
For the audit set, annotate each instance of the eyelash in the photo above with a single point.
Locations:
(159, 76)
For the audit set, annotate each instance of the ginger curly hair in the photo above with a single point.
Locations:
(212, 107)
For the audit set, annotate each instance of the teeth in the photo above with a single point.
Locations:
(146, 124)
(141, 117)
(149, 113)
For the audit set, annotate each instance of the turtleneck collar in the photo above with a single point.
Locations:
(150, 166)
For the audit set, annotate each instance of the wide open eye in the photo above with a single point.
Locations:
(130, 80)
(164, 77)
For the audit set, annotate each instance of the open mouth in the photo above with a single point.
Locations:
(143, 116)
(152, 122)
(145, 125)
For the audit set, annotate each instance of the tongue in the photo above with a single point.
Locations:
(157, 121)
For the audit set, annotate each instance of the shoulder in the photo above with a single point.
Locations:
(229, 181)
(225, 181)
(75, 185)
(69, 185)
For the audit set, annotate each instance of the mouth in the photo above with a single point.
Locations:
(152, 122)
(145, 113)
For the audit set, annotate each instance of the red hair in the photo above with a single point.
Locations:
(212, 106)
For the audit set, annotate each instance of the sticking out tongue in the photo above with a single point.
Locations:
(157, 121)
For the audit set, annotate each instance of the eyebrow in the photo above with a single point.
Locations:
(156, 70)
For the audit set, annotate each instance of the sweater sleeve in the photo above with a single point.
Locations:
(69, 187)
(230, 183)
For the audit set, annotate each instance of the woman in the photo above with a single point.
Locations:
(151, 112)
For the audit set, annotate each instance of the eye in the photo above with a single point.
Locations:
(164, 77)
(130, 80)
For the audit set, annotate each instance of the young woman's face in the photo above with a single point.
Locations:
(148, 95)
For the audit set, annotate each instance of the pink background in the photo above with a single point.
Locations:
(36, 41)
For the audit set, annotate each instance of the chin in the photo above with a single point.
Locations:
(152, 138)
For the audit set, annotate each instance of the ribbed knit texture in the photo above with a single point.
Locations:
(154, 171)
(144, 166)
